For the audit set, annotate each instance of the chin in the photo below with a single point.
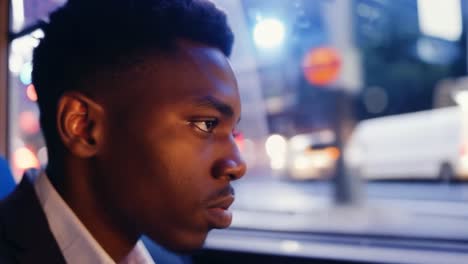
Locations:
(181, 243)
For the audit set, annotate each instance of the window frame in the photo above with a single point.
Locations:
(4, 19)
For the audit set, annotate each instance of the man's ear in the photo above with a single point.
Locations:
(80, 124)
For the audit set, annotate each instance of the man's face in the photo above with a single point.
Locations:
(169, 153)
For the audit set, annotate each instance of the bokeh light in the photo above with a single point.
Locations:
(239, 139)
(441, 19)
(375, 100)
(31, 93)
(29, 122)
(276, 147)
(24, 158)
(269, 33)
(15, 63)
(25, 74)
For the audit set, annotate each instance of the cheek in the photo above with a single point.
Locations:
(185, 165)
(157, 181)
(181, 178)
(171, 168)
(173, 193)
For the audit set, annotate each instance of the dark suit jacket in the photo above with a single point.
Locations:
(25, 236)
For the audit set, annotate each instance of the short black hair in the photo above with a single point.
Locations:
(85, 36)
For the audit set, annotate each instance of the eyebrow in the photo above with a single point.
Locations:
(212, 102)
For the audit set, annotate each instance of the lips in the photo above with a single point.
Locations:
(218, 215)
(223, 202)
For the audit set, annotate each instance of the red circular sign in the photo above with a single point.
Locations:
(321, 66)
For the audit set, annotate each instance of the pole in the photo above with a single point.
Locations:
(347, 186)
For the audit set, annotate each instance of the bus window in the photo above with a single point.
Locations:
(354, 127)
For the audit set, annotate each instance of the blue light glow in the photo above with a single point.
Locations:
(25, 75)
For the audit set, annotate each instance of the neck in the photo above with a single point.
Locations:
(76, 188)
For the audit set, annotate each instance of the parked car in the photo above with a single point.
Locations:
(312, 155)
(428, 144)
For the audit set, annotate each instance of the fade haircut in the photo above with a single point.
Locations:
(86, 37)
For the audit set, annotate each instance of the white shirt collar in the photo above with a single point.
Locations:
(74, 240)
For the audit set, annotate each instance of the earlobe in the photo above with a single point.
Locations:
(79, 121)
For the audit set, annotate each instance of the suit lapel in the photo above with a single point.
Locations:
(26, 229)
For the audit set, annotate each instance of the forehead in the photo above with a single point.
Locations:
(193, 71)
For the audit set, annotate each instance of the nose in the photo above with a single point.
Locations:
(231, 166)
(234, 169)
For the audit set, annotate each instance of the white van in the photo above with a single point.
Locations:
(427, 145)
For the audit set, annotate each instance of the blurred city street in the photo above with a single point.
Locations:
(257, 193)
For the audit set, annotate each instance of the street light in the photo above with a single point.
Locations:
(269, 33)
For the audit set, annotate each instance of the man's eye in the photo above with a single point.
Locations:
(206, 125)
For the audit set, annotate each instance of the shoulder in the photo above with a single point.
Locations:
(22, 223)
(20, 200)
(9, 208)
(6, 250)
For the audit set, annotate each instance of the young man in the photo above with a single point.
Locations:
(138, 108)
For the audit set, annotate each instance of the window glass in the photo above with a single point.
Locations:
(356, 103)
(27, 13)
(361, 103)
